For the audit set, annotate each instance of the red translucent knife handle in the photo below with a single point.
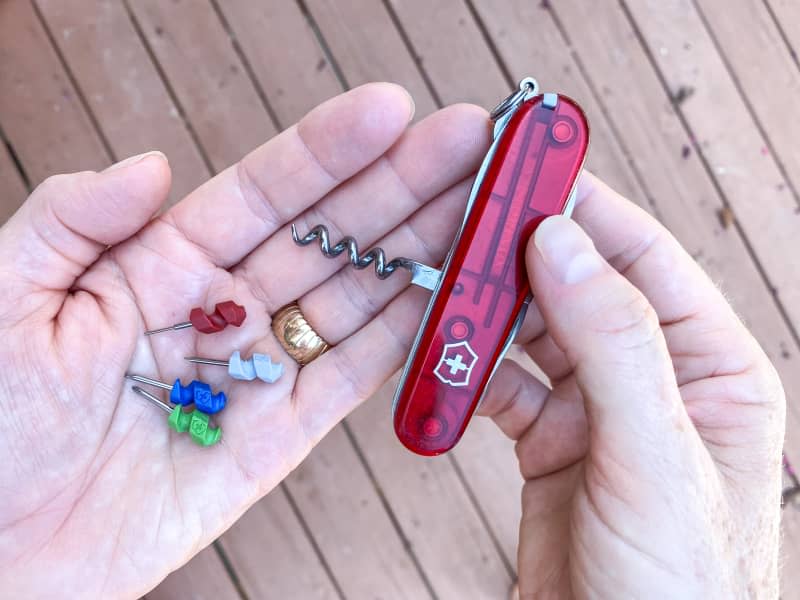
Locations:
(484, 286)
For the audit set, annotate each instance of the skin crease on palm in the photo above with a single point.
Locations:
(652, 464)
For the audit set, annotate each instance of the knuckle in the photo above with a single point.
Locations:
(767, 383)
(58, 185)
(631, 324)
(257, 199)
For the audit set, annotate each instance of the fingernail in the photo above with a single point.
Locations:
(567, 251)
(413, 105)
(135, 159)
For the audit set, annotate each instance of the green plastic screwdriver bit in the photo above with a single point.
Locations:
(194, 422)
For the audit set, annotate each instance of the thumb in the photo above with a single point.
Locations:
(613, 341)
(69, 220)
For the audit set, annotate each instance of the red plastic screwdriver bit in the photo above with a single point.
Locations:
(225, 313)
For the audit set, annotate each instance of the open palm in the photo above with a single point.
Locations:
(91, 470)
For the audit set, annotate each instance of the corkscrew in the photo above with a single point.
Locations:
(421, 274)
(481, 293)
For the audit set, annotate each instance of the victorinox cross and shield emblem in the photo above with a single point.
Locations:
(455, 365)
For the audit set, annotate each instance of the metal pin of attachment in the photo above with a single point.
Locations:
(197, 393)
(195, 422)
(225, 313)
(257, 366)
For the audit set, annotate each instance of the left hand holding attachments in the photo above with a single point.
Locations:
(86, 254)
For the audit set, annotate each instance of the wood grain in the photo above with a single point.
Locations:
(122, 87)
(787, 13)
(767, 75)
(271, 555)
(438, 518)
(284, 56)
(345, 514)
(12, 187)
(203, 578)
(373, 50)
(452, 52)
(208, 78)
(40, 112)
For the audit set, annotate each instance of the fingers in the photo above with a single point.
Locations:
(612, 339)
(239, 208)
(68, 221)
(432, 156)
(548, 426)
(331, 386)
(703, 333)
(514, 399)
(348, 300)
(699, 325)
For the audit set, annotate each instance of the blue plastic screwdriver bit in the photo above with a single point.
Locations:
(197, 393)
(200, 394)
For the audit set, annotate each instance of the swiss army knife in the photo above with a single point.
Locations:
(481, 293)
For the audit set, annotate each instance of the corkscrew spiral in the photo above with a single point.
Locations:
(349, 245)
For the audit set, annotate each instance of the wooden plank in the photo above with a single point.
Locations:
(767, 74)
(122, 87)
(284, 56)
(368, 47)
(272, 557)
(12, 187)
(450, 48)
(40, 112)
(427, 497)
(211, 84)
(787, 13)
(529, 43)
(728, 138)
(350, 525)
(202, 578)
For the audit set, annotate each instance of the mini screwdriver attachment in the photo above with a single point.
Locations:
(257, 366)
(225, 313)
(194, 422)
(197, 393)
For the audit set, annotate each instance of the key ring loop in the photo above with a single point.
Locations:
(528, 88)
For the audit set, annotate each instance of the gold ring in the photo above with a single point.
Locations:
(296, 336)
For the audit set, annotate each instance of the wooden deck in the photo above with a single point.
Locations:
(695, 115)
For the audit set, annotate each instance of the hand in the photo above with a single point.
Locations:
(653, 465)
(89, 468)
